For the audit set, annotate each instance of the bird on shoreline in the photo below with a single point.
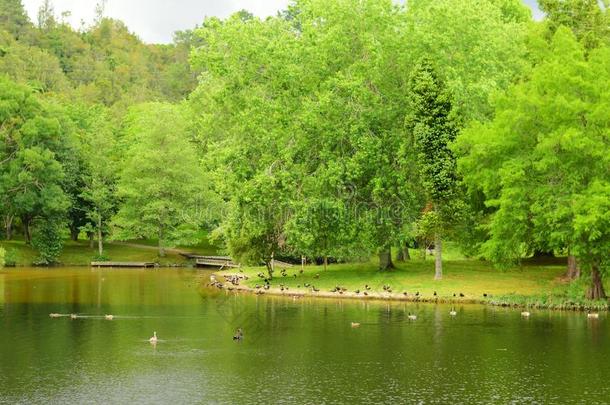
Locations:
(239, 334)
(154, 338)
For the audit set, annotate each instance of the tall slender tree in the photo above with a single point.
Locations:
(434, 127)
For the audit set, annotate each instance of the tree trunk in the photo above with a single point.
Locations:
(596, 291)
(385, 260)
(8, 225)
(573, 271)
(74, 231)
(403, 253)
(26, 231)
(400, 256)
(438, 257)
(160, 244)
(100, 236)
(91, 237)
(325, 263)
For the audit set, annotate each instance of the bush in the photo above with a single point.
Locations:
(48, 240)
(10, 258)
(101, 258)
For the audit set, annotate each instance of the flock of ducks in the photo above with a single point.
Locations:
(453, 312)
(74, 316)
(239, 334)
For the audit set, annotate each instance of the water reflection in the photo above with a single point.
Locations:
(294, 351)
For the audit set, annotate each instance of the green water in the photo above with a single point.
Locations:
(294, 351)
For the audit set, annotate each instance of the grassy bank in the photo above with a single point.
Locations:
(532, 285)
(80, 254)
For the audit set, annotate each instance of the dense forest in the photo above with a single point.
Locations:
(334, 130)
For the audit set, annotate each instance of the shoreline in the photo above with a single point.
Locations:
(396, 297)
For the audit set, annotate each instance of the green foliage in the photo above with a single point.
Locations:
(323, 107)
(589, 20)
(434, 126)
(543, 161)
(160, 183)
(48, 240)
(35, 138)
(13, 17)
(477, 46)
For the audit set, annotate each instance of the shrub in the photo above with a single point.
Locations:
(48, 240)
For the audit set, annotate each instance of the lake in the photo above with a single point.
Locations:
(293, 351)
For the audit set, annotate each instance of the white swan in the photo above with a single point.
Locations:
(355, 324)
(153, 339)
(453, 312)
(525, 314)
(55, 315)
(412, 317)
(593, 315)
(73, 316)
(109, 317)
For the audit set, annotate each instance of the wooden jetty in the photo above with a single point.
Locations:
(216, 261)
(124, 264)
(195, 256)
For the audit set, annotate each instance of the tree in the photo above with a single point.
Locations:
(434, 126)
(478, 47)
(46, 15)
(160, 184)
(13, 17)
(31, 176)
(98, 187)
(589, 20)
(323, 107)
(543, 162)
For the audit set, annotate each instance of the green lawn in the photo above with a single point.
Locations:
(531, 284)
(80, 254)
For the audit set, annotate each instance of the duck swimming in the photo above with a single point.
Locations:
(154, 338)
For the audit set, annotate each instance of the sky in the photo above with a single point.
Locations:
(155, 21)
